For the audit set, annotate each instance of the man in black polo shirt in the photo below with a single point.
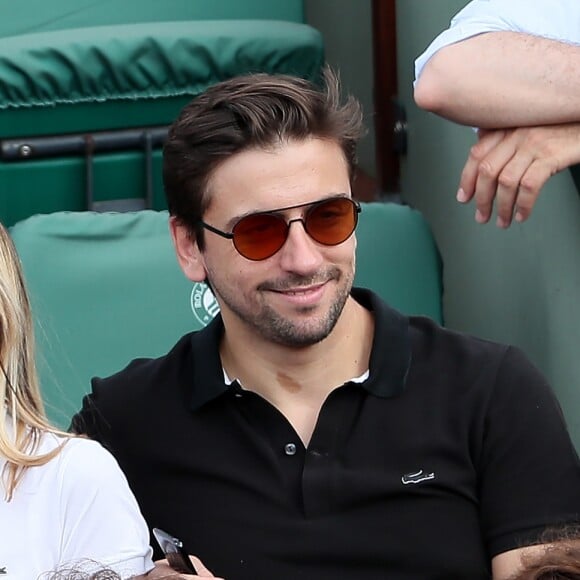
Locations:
(311, 431)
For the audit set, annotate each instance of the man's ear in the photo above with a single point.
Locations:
(187, 251)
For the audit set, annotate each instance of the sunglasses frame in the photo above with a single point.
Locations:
(274, 212)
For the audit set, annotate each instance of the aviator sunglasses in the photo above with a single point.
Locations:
(259, 236)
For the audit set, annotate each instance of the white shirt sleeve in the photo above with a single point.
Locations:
(556, 19)
(101, 518)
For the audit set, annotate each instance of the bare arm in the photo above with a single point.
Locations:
(503, 79)
(506, 566)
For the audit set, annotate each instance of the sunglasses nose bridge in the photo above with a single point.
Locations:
(299, 219)
(302, 221)
(300, 253)
(289, 223)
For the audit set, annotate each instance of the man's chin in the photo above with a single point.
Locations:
(299, 343)
(292, 336)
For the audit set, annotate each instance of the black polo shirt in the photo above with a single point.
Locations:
(453, 450)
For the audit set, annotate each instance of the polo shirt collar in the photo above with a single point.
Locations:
(389, 362)
(208, 376)
(390, 359)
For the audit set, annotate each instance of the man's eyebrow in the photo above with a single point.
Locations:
(277, 211)
(280, 210)
(233, 221)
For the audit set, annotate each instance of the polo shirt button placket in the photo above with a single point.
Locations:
(290, 449)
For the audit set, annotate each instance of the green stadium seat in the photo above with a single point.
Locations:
(89, 87)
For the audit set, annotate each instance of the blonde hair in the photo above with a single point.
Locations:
(19, 388)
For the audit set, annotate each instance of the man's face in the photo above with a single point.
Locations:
(295, 296)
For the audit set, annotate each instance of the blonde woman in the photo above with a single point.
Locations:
(63, 499)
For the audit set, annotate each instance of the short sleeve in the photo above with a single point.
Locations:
(557, 19)
(529, 471)
(101, 519)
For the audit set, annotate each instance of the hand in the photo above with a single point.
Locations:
(163, 570)
(511, 166)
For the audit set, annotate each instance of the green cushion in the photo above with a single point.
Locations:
(42, 16)
(106, 288)
(397, 257)
(105, 66)
(106, 78)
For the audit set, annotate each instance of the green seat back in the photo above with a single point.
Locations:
(106, 288)
(112, 78)
(397, 257)
(41, 16)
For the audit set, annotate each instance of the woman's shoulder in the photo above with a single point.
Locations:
(82, 451)
(80, 458)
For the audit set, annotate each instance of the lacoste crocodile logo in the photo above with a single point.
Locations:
(417, 477)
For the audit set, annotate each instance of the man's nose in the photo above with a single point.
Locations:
(300, 253)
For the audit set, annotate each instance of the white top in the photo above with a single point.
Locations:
(557, 19)
(76, 507)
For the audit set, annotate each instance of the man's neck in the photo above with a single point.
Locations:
(297, 381)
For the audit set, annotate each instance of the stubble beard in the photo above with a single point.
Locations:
(274, 327)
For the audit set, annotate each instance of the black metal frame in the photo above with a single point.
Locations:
(87, 145)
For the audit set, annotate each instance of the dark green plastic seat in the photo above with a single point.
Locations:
(79, 67)
(106, 288)
(99, 78)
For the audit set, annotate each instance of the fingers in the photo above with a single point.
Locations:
(163, 571)
(508, 168)
(494, 176)
(488, 140)
(508, 184)
(202, 571)
(530, 186)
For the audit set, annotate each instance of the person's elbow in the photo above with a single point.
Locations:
(432, 89)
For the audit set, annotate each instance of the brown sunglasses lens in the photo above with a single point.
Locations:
(259, 236)
(330, 222)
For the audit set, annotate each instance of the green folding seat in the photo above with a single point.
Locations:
(88, 88)
(106, 288)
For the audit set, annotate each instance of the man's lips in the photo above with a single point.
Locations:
(299, 290)
(303, 294)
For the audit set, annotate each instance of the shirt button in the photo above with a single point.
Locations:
(290, 449)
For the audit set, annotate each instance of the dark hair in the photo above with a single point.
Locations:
(79, 572)
(250, 111)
